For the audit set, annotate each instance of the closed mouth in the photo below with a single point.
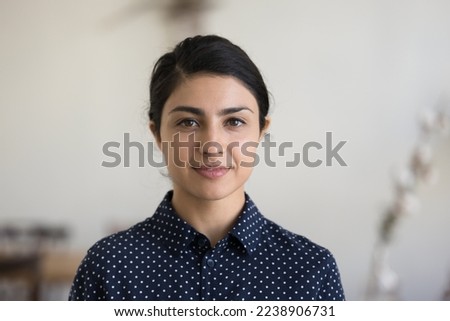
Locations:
(212, 171)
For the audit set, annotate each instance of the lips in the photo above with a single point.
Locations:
(212, 172)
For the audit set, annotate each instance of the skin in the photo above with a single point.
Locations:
(208, 178)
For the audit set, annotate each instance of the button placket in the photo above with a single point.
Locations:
(202, 242)
(209, 268)
(208, 271)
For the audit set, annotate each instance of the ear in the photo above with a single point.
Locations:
(265, 129)
(155, 133)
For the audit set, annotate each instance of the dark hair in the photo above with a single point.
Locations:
(204, 54)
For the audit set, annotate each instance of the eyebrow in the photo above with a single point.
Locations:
(201, 112)
(232, 110)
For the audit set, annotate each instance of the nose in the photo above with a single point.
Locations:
(212, 141)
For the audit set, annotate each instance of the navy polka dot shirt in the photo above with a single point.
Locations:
(164, 258)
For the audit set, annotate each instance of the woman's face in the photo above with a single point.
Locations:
(208, 135)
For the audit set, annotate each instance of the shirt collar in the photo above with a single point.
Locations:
(170, 229)
(249, 226)
(177, 234)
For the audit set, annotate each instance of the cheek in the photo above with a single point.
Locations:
(244, 153)
(179, 152)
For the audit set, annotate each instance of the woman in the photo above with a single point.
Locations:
(207, 240)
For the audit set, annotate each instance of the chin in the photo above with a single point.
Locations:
(213, 193)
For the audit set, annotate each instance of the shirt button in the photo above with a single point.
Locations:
(202, 242)
(210, 262)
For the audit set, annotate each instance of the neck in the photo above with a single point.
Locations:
(212, 218)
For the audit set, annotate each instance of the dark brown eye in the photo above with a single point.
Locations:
(235, 122)
(188, 123)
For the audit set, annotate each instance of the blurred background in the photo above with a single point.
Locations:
(74, 75)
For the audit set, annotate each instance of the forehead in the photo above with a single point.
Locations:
(211, 93)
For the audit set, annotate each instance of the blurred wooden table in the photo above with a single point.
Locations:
(36, 270)
(60, 266)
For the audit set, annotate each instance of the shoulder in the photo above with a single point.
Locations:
(133, 237)
(303, 260)
(103, 259)
(276, 240)
(311, 260)
(286, 241)
(109, 252)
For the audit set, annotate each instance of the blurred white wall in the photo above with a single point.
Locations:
(74, 75)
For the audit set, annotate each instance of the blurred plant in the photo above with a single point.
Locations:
(384, 282)
(182, 18)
